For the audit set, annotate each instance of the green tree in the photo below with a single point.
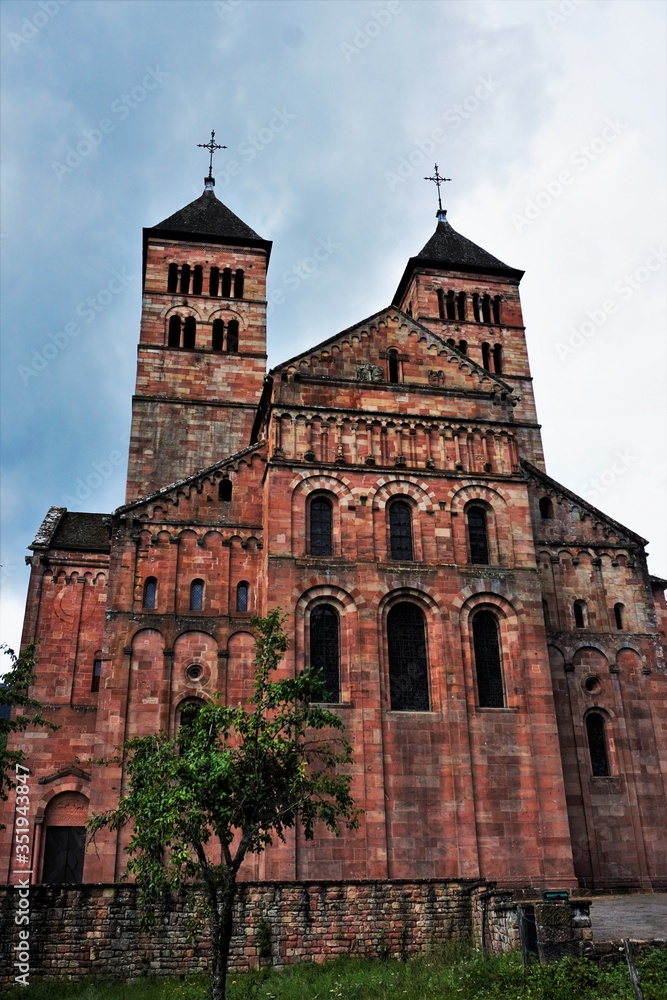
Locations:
(15, 694)
(227, 784)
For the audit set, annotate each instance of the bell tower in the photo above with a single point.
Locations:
(202, 347)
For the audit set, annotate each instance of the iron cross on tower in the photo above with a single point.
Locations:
(441, 214)
(212, 145)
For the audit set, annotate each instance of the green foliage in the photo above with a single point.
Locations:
(264, 939)
(15, 692)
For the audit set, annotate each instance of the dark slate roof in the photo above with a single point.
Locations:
(206, 216)
(82, 533)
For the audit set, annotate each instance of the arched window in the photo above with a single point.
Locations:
(225, 490)
(496, 309)
(320, 524)
(579, 614)
(197, 279)
(400, 530)
(478, 536)
(486, 356)
(242, 590)
(486, 643)
(97, 674)
(498, 359)
(189, 333)
(218, 334)
(226, 290)
(185, 279)
(172, 278)
(461, 305)
(64, 839)
(238, 283)
(463, 346)
(325, 649)
(547, 616)
(597, 745)
(186, 713)
(196, 595)
(441, 303)
(233, 335)
(451, 342)
(408, 668)
(618, 615)
(393, 365)
(475, 306)
(174, 339)
(214, 281)
(486, 308)
(150, 593)
(546, 509)
(451, 305)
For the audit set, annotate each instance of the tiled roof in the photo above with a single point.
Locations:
(206, 216)
(82, 533)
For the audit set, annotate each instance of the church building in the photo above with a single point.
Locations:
(493, 643)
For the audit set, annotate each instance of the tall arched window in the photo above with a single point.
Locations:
(393, 365)
(185, 279)
(475, 306)
(486, 308)
(597, 745)
(196, 595)
(441, 303)
(214, 281)
(496, 309)
(320, 517)
(498, 359)
(226, 290)
(478, 536)
(238, 283)
(580, 614)
(218, 334)
(233, 335)
(400, 530)
(189, 333)
(547, 615)
(451, 305)
(463, 346)
(408, 667)
(150, 593)
(186, 713)
(486, 356)
(97, 675)
(225, 490)
(242, 590)
(618, 615)
(64, 833)
(546, 509)
(486, 643)
(461, 305)
(197, 279)
(174, 338)
(172, 278)
(325, 649)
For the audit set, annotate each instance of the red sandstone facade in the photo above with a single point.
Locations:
(538, 761)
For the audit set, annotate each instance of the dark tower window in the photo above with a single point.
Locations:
(393, 366)
(486, 643)
(498, 359)
(225, 490)
(189, 333)
(97, 673)
(242, 596)
(238, 283)
(150, 593)
(618, 615)
(226, 290)
(185, 279)
(461, 305)
(400, 530)
(441, 303)
(496, 309)
(451, 342)
(174, 339)
(218, 335)
(321, 520)
(486, 356)
(172, 278)
(214, 281)
(463, 346)
(547, 616)
(579, 619)
(196, 595)
(408, 669)
(197, 279)
(486, 308)
(325, 649)
(233, 335)
(451, 305)
(597, 745)
(546, 509)
(475, 306)
(478, 536)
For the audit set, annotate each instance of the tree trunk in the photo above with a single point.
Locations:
(222, 921)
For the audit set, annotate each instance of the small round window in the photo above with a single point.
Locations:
(194, 672)
(592, 684)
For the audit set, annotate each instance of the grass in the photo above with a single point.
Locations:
(452, 977)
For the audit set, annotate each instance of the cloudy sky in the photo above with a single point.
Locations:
(548, 116)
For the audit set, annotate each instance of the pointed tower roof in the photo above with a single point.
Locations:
(447, 250)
